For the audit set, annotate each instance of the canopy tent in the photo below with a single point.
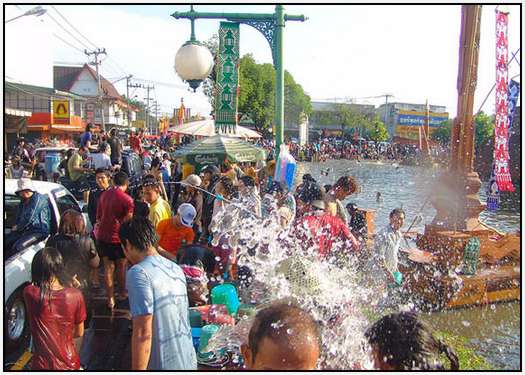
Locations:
(215, 150)
(206, 128)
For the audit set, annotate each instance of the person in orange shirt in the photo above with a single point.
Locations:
(174, 230)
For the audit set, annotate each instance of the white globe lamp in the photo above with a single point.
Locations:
(193, 63)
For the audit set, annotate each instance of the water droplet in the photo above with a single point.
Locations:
(289, 331)
(466, 323)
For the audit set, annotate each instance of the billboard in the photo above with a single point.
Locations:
(61, 112)
(409, 122)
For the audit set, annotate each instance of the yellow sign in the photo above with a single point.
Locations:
(61, 109)
(422, 113)
(141, 124)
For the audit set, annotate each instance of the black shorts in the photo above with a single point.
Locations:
(82, 184)
(112, 251)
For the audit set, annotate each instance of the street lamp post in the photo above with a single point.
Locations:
(36, 11)
(271, 25)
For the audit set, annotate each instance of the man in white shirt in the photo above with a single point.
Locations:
(387, 245)
(102, 159)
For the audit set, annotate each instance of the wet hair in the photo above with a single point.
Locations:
(275, 322)
(327, 187)
(348, 183)
(120, 179)
(406, 343)
(248, 181)
(310, 191)
(89, 126)
(149, 180)
(113, 132)
(139, 232)
(227, 184)
(72, 223)
(46, 264)
(103, 170)
(398, 212)
(351, 206)
(156, 162)
(308, 177)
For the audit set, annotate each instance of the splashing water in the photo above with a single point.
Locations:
(286, 266)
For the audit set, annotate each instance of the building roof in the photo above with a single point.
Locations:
(39, 90)
(64, 77)
(332, 106)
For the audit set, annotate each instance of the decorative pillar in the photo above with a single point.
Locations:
(456, 197)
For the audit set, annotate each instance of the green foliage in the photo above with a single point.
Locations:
(257, 91)
(378, 133)
(468, 359)
(484, 129)
(442, 134)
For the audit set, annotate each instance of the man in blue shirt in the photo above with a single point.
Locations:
(158, 302)
(87, 137)
(33, 218)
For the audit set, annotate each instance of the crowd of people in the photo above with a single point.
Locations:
(157, 251)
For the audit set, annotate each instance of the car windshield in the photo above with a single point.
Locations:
(10, 207)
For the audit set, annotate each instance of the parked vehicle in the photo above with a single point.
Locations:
(17, 265)
(133, 165)
(54, 155)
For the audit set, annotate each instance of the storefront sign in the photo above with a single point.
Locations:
(412, 118)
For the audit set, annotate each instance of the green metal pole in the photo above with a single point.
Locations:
(279, 78)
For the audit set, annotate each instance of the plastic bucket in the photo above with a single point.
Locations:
(52, 161)
(226, 294)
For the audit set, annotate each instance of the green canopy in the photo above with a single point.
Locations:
(215, 150)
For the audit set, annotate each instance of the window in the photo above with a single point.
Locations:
(65, 201)
(10, 208)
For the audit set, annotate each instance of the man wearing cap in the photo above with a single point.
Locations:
(33, 217)
(175, 230)
(194, 197)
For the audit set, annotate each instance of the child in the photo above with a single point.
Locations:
(283, 337)
(402, 342)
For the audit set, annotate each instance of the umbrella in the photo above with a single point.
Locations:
(215, 150)
(206, 128)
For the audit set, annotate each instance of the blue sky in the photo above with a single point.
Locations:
(410, 51)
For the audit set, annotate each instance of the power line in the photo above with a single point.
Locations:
(69, 44)
(67, 31)
(73, 27)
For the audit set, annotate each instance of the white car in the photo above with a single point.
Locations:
(17, 266)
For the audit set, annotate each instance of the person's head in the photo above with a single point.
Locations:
(246, 182)
(185, 215)
(113, 132)
(47, 266)
(402, 342)
(192, 182)
(16, 161)
(345, 186)
(277, 190)
(102, 178)
(21, 141)
(327, 188)
(121, 180)
(208, 172)
(310, 192)
(137, 237)
(72, 223)
(282, 337)
(25, 189)
(156, 163)
(397, 218)
(165, 156)
(351, 208)
(89, 127)
(151, 191)
(225, 187)
(83, 151)
(105, 148)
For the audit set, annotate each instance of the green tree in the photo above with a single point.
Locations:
(378, 132)
(208, 86)
(442, 133)
(484, 130)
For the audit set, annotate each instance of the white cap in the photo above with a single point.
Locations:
(24, 184)
(193, 180)
(187, 214)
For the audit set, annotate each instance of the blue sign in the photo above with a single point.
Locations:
(419, 120)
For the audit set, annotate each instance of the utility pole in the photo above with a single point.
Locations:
(95, 53)
(148, 89)
(127, 95)
(386, 111)
(131, 85)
